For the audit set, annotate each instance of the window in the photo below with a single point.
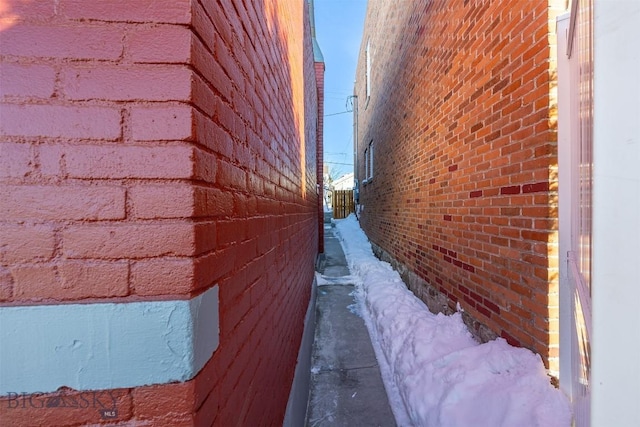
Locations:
(370, 176)
(368, 162)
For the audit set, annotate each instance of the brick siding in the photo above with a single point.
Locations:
(464, 193)
(319, 68)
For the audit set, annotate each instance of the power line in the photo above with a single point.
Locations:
(335, 114)
(337, 163)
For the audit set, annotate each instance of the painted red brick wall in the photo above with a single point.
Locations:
(464, 194)
(151, 150)
(257, 115)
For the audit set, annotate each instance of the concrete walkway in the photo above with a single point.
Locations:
(346, 388)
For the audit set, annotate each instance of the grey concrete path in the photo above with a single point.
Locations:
(346, 387)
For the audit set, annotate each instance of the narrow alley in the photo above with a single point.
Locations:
(346, 387)
(166, 169)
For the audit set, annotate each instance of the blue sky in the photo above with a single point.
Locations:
(339, 26)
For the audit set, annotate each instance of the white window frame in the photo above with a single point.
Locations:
(371, 152)
(368, 163)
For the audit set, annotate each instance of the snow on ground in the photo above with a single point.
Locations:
(434, 372)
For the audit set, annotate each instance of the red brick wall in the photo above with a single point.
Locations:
(153, 149)
(319, 83)
(97, 159)
(464, 195)
(259, 100)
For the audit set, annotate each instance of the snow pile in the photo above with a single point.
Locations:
(435, 373)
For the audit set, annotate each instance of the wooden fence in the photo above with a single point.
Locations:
(342, 203)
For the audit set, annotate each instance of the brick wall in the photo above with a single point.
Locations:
(151, 150)
(259, 98)
(464, 195)
(319, 69)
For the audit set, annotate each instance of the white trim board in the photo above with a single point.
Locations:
(106, 345)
